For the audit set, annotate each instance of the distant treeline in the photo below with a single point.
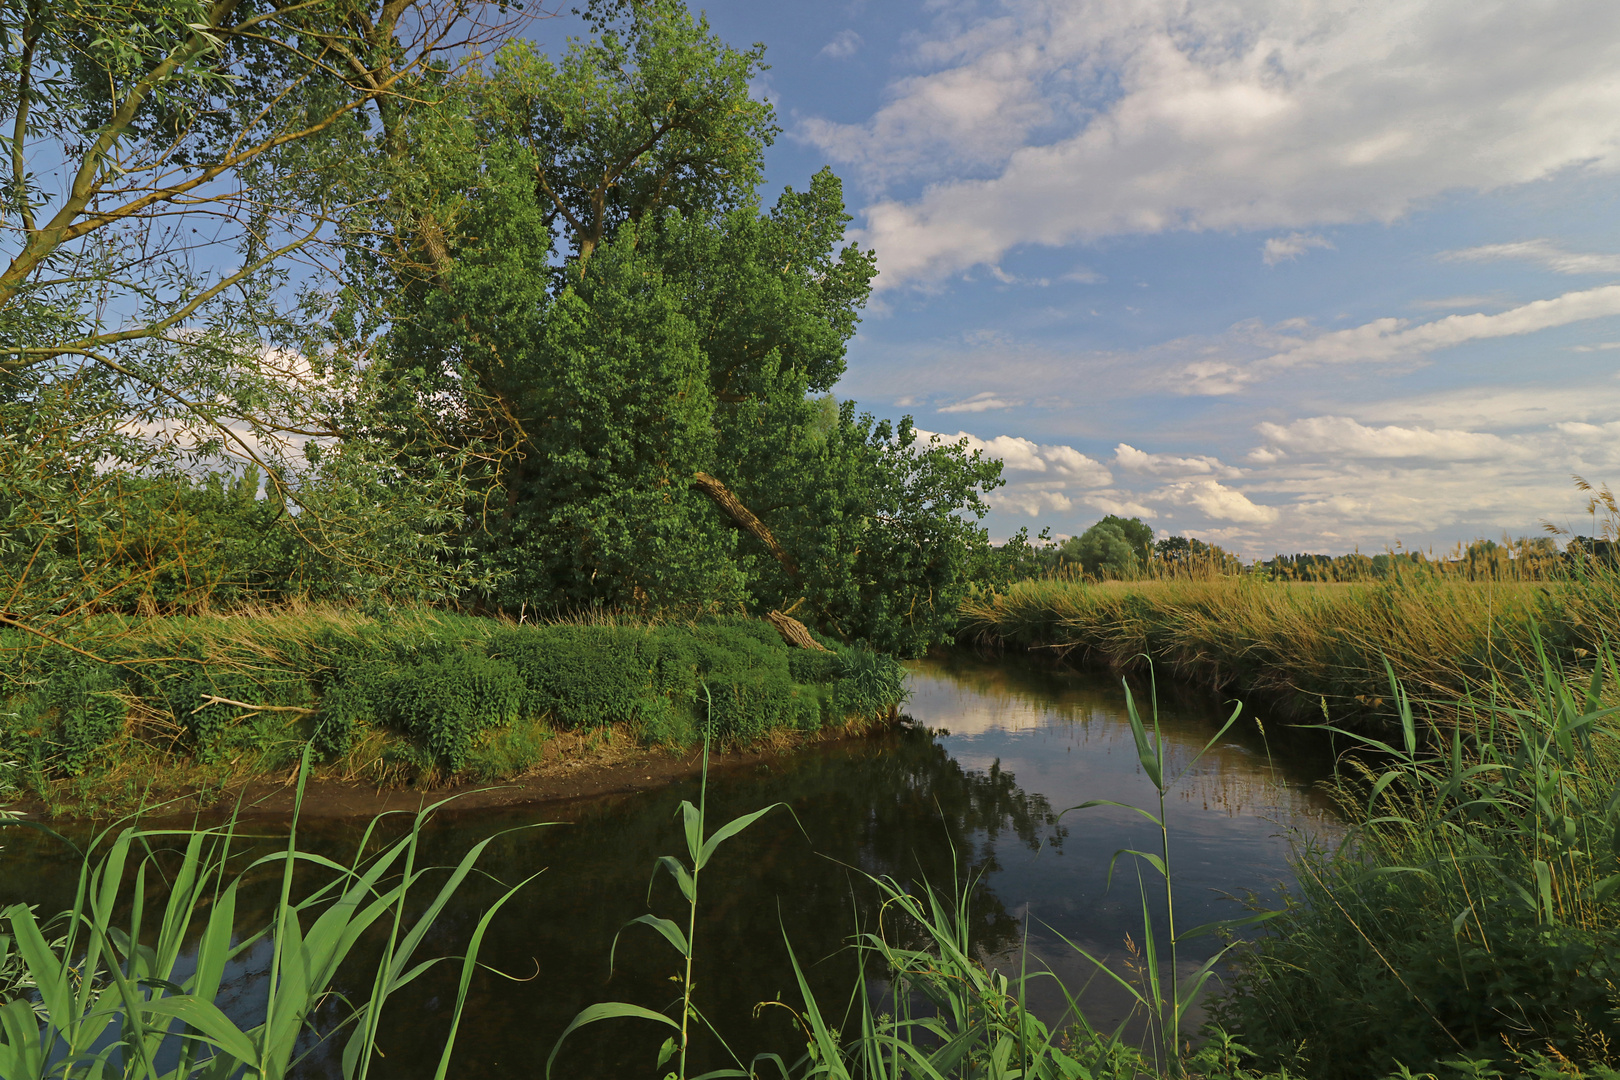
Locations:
(1124, 549)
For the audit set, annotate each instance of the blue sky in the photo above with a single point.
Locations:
(1288, 276)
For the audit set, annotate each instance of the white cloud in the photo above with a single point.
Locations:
(1023, 456)
(1031, 499)
(1119, 503)
(1340, 436)
(1392, 339)
(1040, 478)
(1083, 275)
(1217, 501)
(1287, 248)
(1056, 121)
(1542, 251)
(844, 44)
(1452, 303)
(1388, 340)
(1129, 457)
(1599, 346)
(981, 402)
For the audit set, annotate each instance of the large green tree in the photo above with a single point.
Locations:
(588, 278)
(172, 174)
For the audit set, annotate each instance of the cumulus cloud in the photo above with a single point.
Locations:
(1083, 275)
(1031, 499)
(1287, 248)
(1024, 456)
(1543, 252)
(1056, 121)
(1129, 457)
(1040, 477)
(1452, 303)
(1341, 436)
(1215, 500)
(844, 44)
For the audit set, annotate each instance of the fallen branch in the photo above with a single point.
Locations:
(210, 699)
(745, 518)
(793, 632)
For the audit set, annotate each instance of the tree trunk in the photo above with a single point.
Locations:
(794, 633)
(745, 519)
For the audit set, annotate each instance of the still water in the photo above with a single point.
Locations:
(973, 787)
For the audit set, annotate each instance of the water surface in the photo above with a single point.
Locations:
(972, 788)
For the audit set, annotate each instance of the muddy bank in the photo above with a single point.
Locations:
(574, 768)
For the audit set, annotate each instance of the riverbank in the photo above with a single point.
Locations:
(197, 710)
(1301, 648)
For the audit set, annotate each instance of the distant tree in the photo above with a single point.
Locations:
(1138, 534)
(1107, 549)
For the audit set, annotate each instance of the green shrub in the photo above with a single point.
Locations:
(444, 689)
(583, 676)
(447, 704)
(1474, 913)
(664, 723)
(88, 711)
(869, 683)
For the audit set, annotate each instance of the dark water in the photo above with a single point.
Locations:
(999, 748)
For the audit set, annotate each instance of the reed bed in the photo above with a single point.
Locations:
(1301, 648)
(1471, 924)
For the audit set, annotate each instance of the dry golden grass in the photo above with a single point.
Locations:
(1297, 645)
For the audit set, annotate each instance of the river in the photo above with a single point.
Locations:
(972, 788)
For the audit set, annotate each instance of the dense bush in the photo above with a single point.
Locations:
(442, 691)
(1474, 914)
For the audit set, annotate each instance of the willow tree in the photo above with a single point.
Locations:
(174, 170)
(603, 291)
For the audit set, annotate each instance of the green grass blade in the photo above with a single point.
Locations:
(606, 1010)
(727, 831)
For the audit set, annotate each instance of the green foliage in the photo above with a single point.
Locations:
(1114, 547)
(618, 415)
(868, 682)
(69, 714)
(447, 693)
(104, 991)
(126, 367)
(88, 711)
(448, 704)
(1475, 914)
(625, 323)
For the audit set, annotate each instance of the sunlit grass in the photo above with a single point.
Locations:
(1296, 646)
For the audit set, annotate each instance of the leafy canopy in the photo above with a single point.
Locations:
(587, 277)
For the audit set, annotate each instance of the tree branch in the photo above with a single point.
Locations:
(733, 508)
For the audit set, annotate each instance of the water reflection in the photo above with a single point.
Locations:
(1066, 738)
(999, 748)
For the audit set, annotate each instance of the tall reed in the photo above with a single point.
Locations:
(1296, 646)
(1475, 914)
(107, 990)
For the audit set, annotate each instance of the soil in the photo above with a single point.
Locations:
(575, 767)
(583, 775)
